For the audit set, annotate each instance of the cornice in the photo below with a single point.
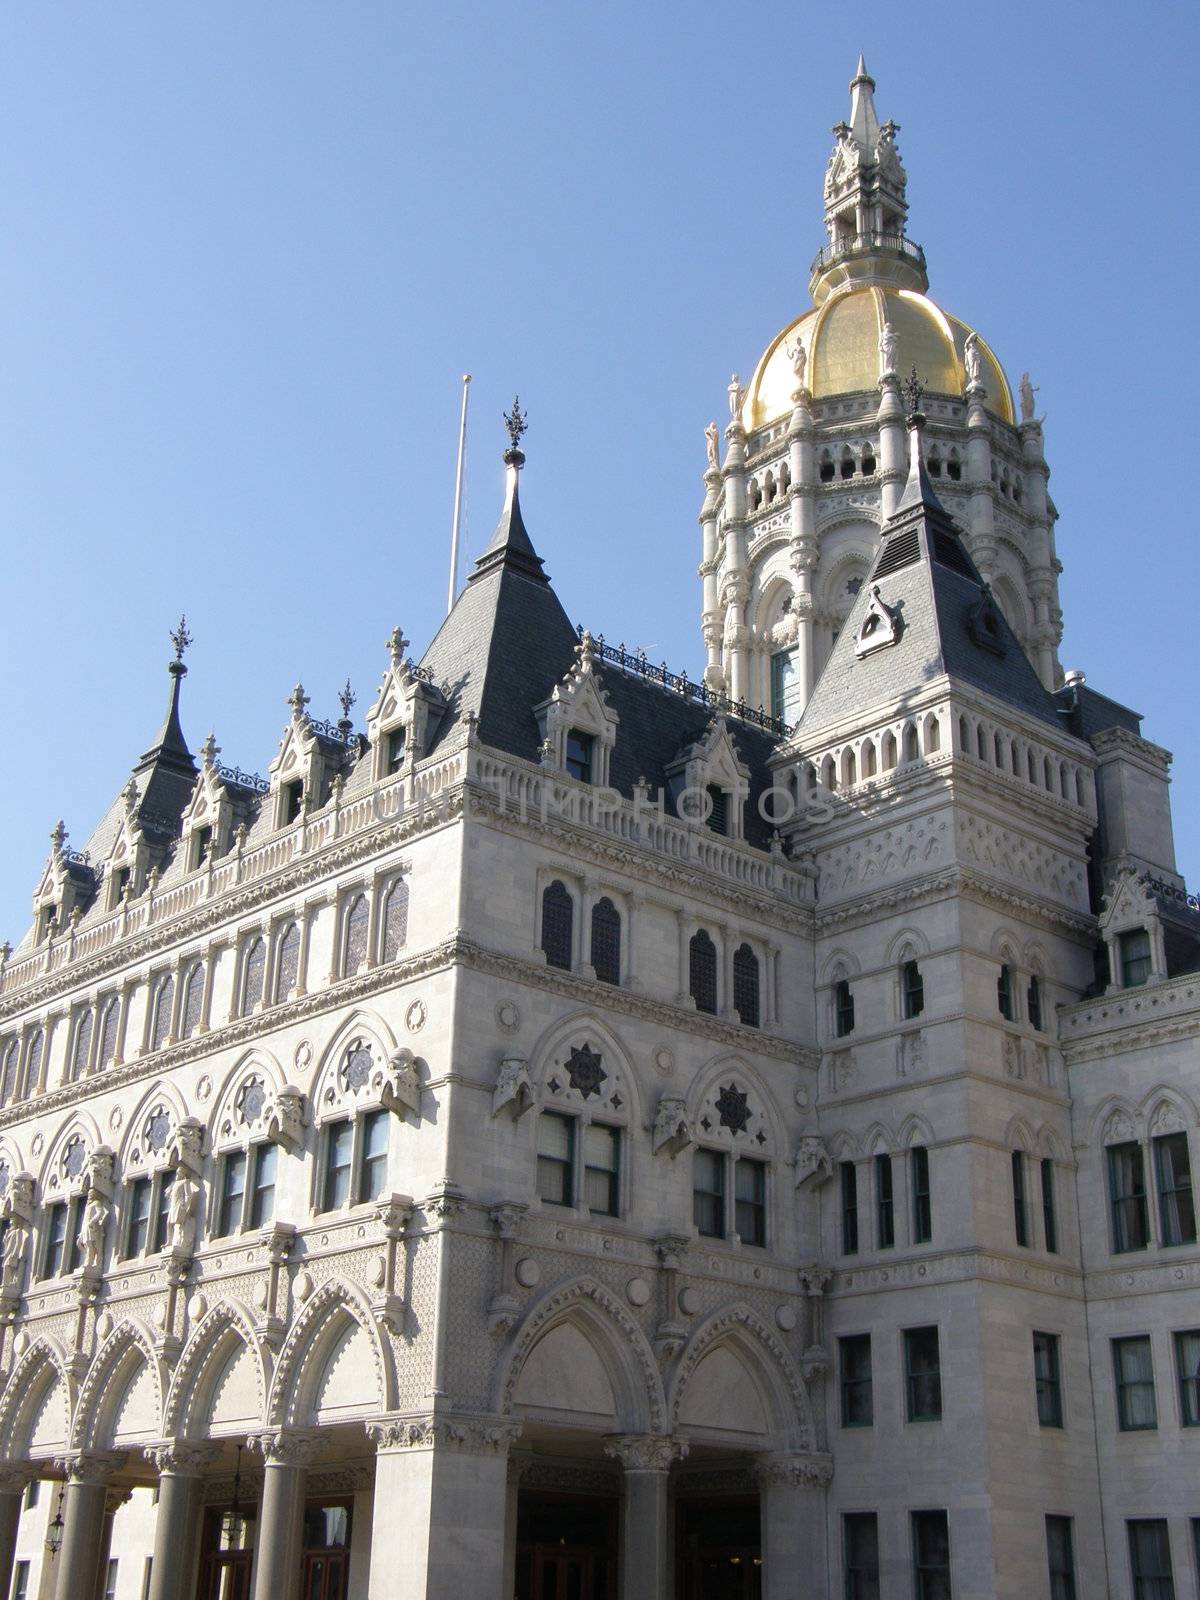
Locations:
(956, 880)
(1139, 1019)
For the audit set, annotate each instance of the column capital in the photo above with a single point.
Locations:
(93, 1467)
(645, 1452)
(283, 1448)
(182, 1458)
(794, 1469)
(479, 1435)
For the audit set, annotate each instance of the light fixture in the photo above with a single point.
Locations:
(54, 1533)
(231, 1522)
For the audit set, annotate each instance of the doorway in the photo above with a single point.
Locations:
(227, 1555)
(325, 1562)
(566, 1547)
(718, 1550)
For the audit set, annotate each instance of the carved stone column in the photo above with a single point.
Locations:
(84, 1505)
(286, 1458)
(645, 1543)
(181, 1470)
(12, 1487)
(114, 1499)
(518, 1465)
(792, 1488)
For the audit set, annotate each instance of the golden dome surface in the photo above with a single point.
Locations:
(841, 340)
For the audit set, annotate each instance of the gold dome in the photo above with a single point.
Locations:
(841, 339)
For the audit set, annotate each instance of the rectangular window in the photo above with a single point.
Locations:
(555, 1158)
(20, 1589)
(783, 686)
(1004, 993)
(931, 1555)
(203, 837)
(1033, 1002)
(860, 1543)
(33, 1493)
(922, 1197)
(601, 1170)
(396, 740)
(56, 1235)
(579, 755)
(137, 1217)
(708, 1193)
(233, 1189)
(1187, 1366)
(262, 1188)
(372, 1172)
(1060, 1558)
(922, 1375)
(1020, 1202)
(858, 1399)
(1150, 1559)
(1049, 1214)
(750, 1201)
(1173, 1175)
(1134, 949)
(339, 1152)
(912, 990)
(843, 1008)
(1127, 1193)
(1134, 1368)
(293, 799)
(849, 1208)
(110, 1579)
(885, 1209)
(162, 1212)
(1047, 1378)
(718, 816)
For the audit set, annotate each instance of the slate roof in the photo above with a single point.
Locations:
(924, 572)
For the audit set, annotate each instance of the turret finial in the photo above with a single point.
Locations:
(209, 751)
(397, 644)
(346, 699)
(517, 423)
(180, 638)
(913, 392)
(298, 700)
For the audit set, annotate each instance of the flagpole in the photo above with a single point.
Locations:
(458, 480)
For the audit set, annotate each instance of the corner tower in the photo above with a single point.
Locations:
(816, 455)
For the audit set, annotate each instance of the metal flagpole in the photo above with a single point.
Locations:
(458, 477)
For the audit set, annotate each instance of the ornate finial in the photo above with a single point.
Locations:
(209, 751)
(129, 795)
(58, 836)
(298, 700)
(517, 423)
(913, 390)
(180, 638)
(397, 644)
(346, 698)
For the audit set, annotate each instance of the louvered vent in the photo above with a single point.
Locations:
(948, 552)
(901, 550)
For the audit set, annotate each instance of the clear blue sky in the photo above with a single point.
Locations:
(248, 249)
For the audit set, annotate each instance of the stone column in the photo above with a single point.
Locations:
(84, 1505)
(113, 1501)
(982, 539)
(286, 1456)
(791, 1492)
(803, 546)
(441, 1501)
(518, 1465)
(12, 1487)
(735, 586)
(684, 925)
(710, 618)
(177, 1526)
(893, 467)
(645, 1524)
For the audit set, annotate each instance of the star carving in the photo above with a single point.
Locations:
(585, 1070)
(733, 1108)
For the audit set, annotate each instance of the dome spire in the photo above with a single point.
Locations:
(864, 123)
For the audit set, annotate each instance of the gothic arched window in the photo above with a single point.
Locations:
(83, 1044)
(702, 972)
(558, 917)
(287, 968)
(745, 985)
(395, 920)
(357, 924)
(253, 970)
(606, 941)
(8, 1073)
(110, 1018)
(160, 1023)
(193, 1001)
(33, 1066)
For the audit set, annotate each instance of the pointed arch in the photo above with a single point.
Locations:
(207, 1358)
(81, 1125)
(360, 1024)
(611, 1333)
(317, 1335)
(1115, 1122)
(109, 1387)
(842, 1147)
(910, 944)
(257, 1059)
(1166, 1109)
(1019, 1136)
(35, 1418)
(840, 963)
(763, 1356)
(878, 1140)
(914, 1130)
(602, 1037)
(708, 1080)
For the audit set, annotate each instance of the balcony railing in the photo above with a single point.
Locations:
(865, 244)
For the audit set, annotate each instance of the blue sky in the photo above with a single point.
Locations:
(248, 250)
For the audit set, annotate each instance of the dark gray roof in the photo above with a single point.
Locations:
(949, 625)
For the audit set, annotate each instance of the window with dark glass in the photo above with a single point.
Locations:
(745, 985)
(287, 964)
(1020, 1198)
(702, 972)
(1133, 1365)
(1004, 993)
(1173, 1175)
(606, 941)
(860, 1545)
(33, 1493)
(339, 1154)
(885, 1207)
(708, 1193)
(1127, 1195)
(203, 845)
(931, 1555)
(750, 1200)
(61, 1254)
(849, 1182)
(854, 1363)
(555, 1158)
(162, 1211)
(262, 1185)
(843, 1008)
(395, 920)
(1134, 951)
(1049, 1211)
(922, 1195)
(718, 815)
(293, 799)
(396, 741)
(579, 755)
(164, 999)
(1060, 1557)
(137, 1215)
(372, 1173)
(1047, 1379)
(1150, 1559)
(232, 1192)
(601, 1169)
(558, 917)
(922, 1375)
(912, 989)
(254, 966)
(356, 935)
(1187, 1367)
(120, 884)
(1033, 1002)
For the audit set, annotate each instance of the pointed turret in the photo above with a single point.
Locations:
(510, 545)
(864, 124)
(166, 773)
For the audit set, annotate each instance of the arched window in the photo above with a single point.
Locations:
(1033, 1002)
(1004, 992)
(110, 1018)
(827, 467)
(358, 919)
(558, 920)
(828, 775)
(83, 1044)
(253, 971)
(770, 487)
(868, 760)
(33, 1066)
(868, 460)
(754, 494)
(287, 966)
(847, 462)
(981, 743)
(954, 467)
(849, 769)
(745, 986)
(912, 990)
(964, 735)
(785, 476)
(998, 746)
(193, 1001)
(888, 752)
(912, 750)
(606, 941)
(1048, 772)
(160, 1022)
(843, 1008)
(395, 920)
(8, 1072)
(934, 463)
(1015, 759)
(933, 735)
(1031, 766)
(702, 972)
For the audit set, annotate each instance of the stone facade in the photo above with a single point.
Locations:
(582, 1131)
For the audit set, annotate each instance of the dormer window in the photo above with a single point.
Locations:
(201, 846)
(397, 741)
(1134, 948)
(579, 755)
(293, 799)
(718, 816)
(45, 922)
(120, 882)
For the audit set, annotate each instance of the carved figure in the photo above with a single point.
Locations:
(1026, 391)
(887, 350)
(514, 1088)
(973, 359)
(799, 357)
(736, 395)
(181, 1214)
(813, 1162)
(710, 444)
(91, 1234)
(16, 1238)
(672, 1131)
